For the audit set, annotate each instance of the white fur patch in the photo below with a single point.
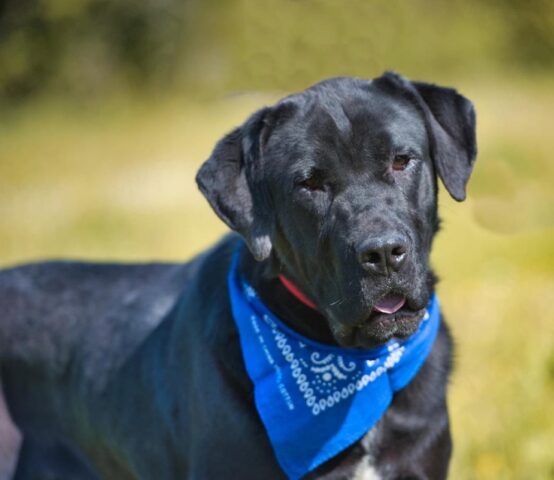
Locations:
(366, 472)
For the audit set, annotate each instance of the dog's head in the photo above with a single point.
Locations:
(338, 185)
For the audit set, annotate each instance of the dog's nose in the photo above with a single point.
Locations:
(383, 255)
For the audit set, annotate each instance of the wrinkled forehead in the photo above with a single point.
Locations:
(353, 121)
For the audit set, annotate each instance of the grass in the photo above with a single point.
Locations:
(116, 181)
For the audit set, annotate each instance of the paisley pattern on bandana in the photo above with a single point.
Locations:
(324, 380)
(313, 399)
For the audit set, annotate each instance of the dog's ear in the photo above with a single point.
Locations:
(450, 122)
(232, 182)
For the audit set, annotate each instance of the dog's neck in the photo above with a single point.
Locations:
(284, 304)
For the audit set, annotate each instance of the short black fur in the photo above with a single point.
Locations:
(135, 371)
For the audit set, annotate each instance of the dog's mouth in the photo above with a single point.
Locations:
(389, 304)
(392, 316)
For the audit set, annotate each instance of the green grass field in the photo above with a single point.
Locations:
(116, 181)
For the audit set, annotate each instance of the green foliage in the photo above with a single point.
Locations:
(93, 47)
(87, 46)
(531, 32)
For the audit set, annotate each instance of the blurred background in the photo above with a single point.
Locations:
(108, 107)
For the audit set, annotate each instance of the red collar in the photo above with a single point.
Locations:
(292, 288)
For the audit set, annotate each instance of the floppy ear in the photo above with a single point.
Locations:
(450, 122)
(231, 182)
(451, 118)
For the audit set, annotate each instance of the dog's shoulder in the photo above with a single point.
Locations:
(52, 313)
(58, 312)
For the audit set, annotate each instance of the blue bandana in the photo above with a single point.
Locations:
(315, 400)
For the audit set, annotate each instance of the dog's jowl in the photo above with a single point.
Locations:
(307, 344)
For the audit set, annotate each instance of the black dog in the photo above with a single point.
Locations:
(126, 372)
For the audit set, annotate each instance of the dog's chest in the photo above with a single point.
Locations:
(367, 472)
(357, 463)
(366, 468)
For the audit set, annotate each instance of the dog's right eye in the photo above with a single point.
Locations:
(313, 183)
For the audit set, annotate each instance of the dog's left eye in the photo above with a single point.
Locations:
(400, 162)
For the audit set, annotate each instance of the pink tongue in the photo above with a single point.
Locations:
(390, 304)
